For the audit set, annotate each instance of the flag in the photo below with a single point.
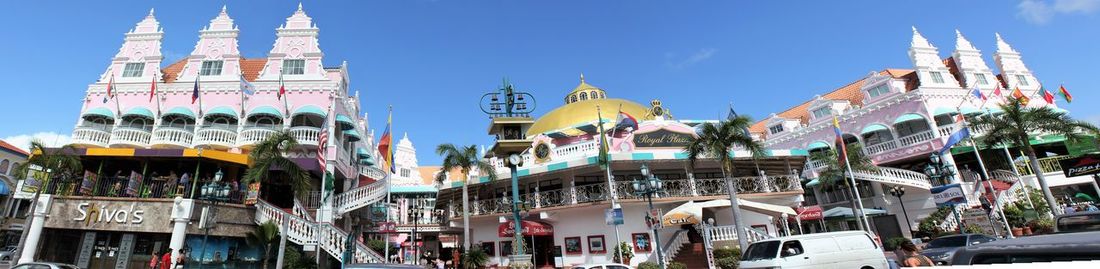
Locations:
(962, 132)
(282, 88)
(978, 93)
(247, 87)
(385, 145)
(110, 89)
(195, 92)
(604, 159)
(732, 115)
(153, 89)
(1020, 95)
(997, 89)
(624, 120)
(1047, 96)
(322, 145)
(1065, 93)
(842, 150)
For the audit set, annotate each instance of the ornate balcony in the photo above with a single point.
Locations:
(252, 135)
(216, 136)
(880, 147)
(130, 137)
(172, 137)
(92, 136)
(306, 135)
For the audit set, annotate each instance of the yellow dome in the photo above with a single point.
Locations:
(584, 112)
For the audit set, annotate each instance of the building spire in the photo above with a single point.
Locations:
(919, 41)
(150, 12)
(1003, 46)
(223, 9)
(961, 43)
(299, 6)
(582, 77)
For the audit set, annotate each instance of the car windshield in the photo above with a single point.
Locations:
(7, 249)
(1070, 224)
(761, 251)
(948, 242)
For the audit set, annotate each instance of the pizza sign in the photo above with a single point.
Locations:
(1080, 166)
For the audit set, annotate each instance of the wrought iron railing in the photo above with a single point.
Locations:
(1048, 165)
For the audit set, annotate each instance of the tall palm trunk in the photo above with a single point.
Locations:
(466, 213)
(735, 205)
(1033, 162)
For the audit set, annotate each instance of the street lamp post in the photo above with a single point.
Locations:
(213, 193)
(898, 191)
(942, 172)
(647, 186)
(416, 211)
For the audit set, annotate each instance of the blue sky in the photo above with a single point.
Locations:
(432, 60)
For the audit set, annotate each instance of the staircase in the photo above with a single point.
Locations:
(360, 197)
(720, 233)
(694, 255)
(888, 175)
(307, 232)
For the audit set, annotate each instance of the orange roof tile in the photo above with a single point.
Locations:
(850, 92)
(427, 174)
(249, 67)
(172, 72)
(4, 144)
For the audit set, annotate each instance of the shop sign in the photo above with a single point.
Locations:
(91, 213)
(613, 216)
(948, 195)
(662, 138)
(1081, 166)
(530, 228)
(808, 213)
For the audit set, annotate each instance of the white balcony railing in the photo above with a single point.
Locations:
(946, 130)
(880, 147)
(172, 136)
(253, 135)
(91, 136)
(917, 138)
(127, 136)
(216, 137)
(576, 150)
(306, 135)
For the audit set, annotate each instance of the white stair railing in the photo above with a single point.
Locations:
(333, 241)
(889, 175)
(305, 232)
(675, 243)
(301, 211)
(359, 197)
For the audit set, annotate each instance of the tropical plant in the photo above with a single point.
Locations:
(973, 229)
(271, 153)
(464, 159)
(648, 265)
(717, 141)
(928, 226)
(1042, 225)
(676, 265)
(474, 258)
(55, 163)
(380, 246)
(293, 259)
(626, 250)
(893, 243)
(264, 236)
(1015, 126)
(835, 174)
(726, 251)
(728, 262)
(1014, 215)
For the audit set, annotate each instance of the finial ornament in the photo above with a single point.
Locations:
(919, 40)
(299, 6)
(961, 43)
(223, 8)
(1002, 46)
(150, 11)
(582, 77)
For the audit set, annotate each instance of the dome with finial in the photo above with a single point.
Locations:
(584, 91)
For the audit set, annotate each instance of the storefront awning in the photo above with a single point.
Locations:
(692, 212)
(530, 228)
(846, 212)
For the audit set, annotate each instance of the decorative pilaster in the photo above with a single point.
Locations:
(34, 233)
(181, 214)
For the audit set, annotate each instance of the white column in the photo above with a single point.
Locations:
(34, 233)
(181, 214)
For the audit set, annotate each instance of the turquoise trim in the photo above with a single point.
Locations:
(100, 111)
(222, 110)
(814, 182)
(1062, 110)
(309, 109)
(994, 110)
(557, 166)
(345, 122)
(408, 189)
(817, 145)
(943, 111)
(908, 117)
(680, 155)
(800, 152)
(362, 152)
(592, 160)
(523, 173)
(139, 111)
(872, 128)
(265, 110)
(353, 135)
(641, 156)
(182, 111)
(969, 110)
(483, 179)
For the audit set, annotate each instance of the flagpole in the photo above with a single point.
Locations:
(198, 88)
(610, 180)
(861, 216)
(985, 177)
(388, 184)
(241, 74)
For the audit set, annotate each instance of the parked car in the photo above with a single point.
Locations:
(7, 252)
(941, 249)
(849, 249)
(1081, 246)
(44, 265)
(602, 266)
(1077, 222)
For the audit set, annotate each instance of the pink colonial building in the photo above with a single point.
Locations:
(901, 117)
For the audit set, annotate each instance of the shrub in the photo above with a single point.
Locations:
(729, 262)
(626, 249)
(474, 258)
(893, 243)
(974, 229)
(676, 265)
(927, 228)
(1015, 216)
(648, 265)
(725, 252)
(1042, 226)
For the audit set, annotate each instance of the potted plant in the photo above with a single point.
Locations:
(1015, 217)
(627, 253)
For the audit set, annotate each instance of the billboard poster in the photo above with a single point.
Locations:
(133, 186)
(1081, 166)
(948, 195)
(253, 193)
(88, 185)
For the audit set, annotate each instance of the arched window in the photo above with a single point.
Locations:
(4, 166)
(594, 95)
(137, 123)
(177, 122)
(584, 96)
(265, 121)
(572, 98)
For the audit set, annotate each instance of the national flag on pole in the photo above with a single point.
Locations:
(322, 144)
(841, 149)
(604, 158)
(962, 132)
(195, 92)
(732, 115)
(1020, 95)
(247, 87)
(624, 120)
(1047, 96)
(282, 88)
(978, 93)
(110, 89)
(153, 88)
(385, 145)
(1065, 93)
(997, 89)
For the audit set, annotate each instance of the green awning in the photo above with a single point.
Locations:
(100, 111)
(994, 110)
(873, 128)
(222, 110)
(353, 135)
(362, 152)
(817, 145)
(813, 183)
(908, 117)
(181, 111)
(1035, 140)
(139, 111)
(943, 111)
(367, 161)
(345, 122)
(309, 109)
(267, 110)
(969, 110)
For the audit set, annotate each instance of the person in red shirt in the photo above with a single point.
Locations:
(166, 259)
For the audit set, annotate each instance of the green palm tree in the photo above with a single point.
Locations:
(61, 161)
(464, 159)
(1016, 124)
(264, 236)
(271, 153)
(835, 174)
(717, 141)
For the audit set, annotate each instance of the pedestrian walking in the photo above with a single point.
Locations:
(911, 256)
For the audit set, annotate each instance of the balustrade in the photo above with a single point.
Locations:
(1048, 165)
(592, 193)
(173, 136)
(217, 136)
(252, 135)
(86, 135)
(306, 135)
(137, 137)
(880, 147)
(916, 138)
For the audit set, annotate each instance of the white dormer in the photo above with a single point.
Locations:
(930, 68)
(821, 108)
(969, 60)
(777, 125)
(879, 85)
(216, 56)
(1013, 70)
(138, 60)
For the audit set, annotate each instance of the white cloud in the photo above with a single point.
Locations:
(49, 139)
(1041, 11)
(699, 56)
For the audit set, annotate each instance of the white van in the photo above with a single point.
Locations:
(847, 250)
